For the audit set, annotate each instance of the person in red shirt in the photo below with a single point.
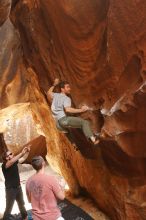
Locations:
(42, 192)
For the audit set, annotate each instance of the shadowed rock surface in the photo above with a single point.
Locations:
(99, 47)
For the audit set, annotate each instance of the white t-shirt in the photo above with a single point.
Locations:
(60, 101)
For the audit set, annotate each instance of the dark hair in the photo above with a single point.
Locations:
(62, 84)
(4, 155)
(37, 162)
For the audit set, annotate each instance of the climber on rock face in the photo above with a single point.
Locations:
(61, 107)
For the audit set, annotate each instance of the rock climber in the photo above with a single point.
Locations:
(61, 107)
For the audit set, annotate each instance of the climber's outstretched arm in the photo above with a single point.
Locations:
(75, 110)
(50, 91)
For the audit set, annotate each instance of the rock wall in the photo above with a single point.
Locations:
(99, 47)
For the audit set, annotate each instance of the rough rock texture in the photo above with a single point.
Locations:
(99, 47)
(21, 129)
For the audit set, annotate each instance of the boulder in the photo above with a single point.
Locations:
(99, 47)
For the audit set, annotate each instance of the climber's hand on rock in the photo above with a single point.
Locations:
(84, 108)
(56, 82)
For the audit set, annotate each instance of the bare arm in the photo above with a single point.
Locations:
(26, 153)
(57, 189)
(50, 91)
(60, 195)
(28, 195)
(75, 110)
(24, 157)
(9, 163)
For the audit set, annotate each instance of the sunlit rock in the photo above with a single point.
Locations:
(99, 46)
(20, 129)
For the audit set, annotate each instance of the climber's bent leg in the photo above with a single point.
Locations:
(77, 122)
(60, 128)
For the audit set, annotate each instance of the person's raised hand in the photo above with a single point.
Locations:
(26, 149)
(56, 82)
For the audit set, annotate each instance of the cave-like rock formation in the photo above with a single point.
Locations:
(99, 46)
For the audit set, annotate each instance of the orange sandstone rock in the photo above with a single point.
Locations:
(99, 47)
